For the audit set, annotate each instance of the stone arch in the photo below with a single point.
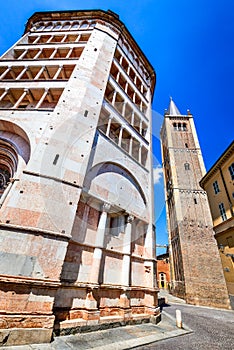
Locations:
(14, 134)
(14, 152)
(117, 185)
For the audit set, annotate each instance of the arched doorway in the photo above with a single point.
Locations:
(162, 280)
(8, 163)
(14, 152)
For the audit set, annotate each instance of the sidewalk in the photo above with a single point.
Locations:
(119, 338)
(170, 298)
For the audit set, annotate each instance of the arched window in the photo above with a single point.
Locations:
(49, 26)
(92, 25)
(125, 49)
(163, 280)
(136, 63)
(40, 26)
(66, 26)
(175, 126)
(75, 26)
(179, 126)
(130, 56)
(186, 166)
(184, 127)
(58, 26)
(84, 25)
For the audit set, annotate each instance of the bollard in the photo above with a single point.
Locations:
(178, 319)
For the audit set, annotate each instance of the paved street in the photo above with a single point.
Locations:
(212, 329)
(204, 329)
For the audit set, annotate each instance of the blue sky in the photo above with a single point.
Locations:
(191, 46)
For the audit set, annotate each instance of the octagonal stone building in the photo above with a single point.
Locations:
(76, 206)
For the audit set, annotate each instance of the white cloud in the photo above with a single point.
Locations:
(157, 174)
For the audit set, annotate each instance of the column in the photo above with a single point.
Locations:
(12, 73)
(39, 73)
(108, 126)
(5, 73)
(132, 119)
(126, 269)
(53, 54)
(64, 38)
(22, 73)
(69, 53)
(150, 299)
(16, 105)
(37, 39)
(140, 126)
(46, 73)
(127, 251)
(126, 88)
(139, 154)
(50, 39)
(113, 97)
(97, 254)
(150, 243)
(117, 77)
(124, 109)
(120, 136)
(37, 55)
(58, 72)
(22, 55)
(42, 99)
(78, 38)
(4, 94)
(29, 73)
(130, 146)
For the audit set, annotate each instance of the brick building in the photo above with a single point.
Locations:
(76, 206)
(197, 274)
(218, 183)
(163, 271)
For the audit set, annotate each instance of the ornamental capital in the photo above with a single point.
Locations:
(130, 219)
(106, 207)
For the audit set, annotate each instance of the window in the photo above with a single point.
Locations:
(117, 225)
(231, 170)
(216, 187)
(163, 279)
(195, 201)
(186, 145)
(180, 126)
(222, 211)
(186, 166)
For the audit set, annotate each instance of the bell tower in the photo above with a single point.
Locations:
(196, 268)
